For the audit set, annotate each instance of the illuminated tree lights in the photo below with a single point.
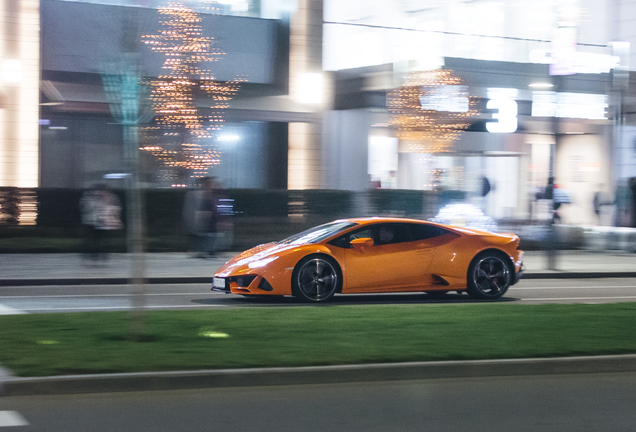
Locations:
(180, 129)
(430, 110)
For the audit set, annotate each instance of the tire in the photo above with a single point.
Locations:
(489, 276)
(316, 278)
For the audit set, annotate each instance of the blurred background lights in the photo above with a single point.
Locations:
(449, 98)
(236, 5)
(310, 88)
(541, 85)
(502, 100)
(211, 333)
(502, 93)
(11, 71)
(430, 110)
(116, 176)
(228, 138)
(466, 215)
(181, 134)
(569, 105)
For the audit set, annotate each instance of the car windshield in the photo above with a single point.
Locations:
(319, 233)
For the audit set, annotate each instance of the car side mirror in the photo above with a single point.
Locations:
(363, 242)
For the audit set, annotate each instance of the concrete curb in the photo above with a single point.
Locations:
(555, 274)
(77, 384)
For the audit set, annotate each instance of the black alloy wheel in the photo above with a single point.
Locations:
(315, 279)
(489, 276)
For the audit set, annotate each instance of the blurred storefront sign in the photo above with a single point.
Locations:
(502, 100)
(451, 98)
(563, 50)
(576, 62)
(569, 105)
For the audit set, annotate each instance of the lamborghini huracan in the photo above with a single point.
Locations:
(376, 255)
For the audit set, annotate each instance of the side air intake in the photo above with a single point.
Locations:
(438, 280)
(264, 285)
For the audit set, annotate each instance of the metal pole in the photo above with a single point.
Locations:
(135, 233)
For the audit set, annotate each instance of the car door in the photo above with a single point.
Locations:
(396, 261)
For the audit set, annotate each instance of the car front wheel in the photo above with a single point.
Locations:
(489, 276)
(315, 279)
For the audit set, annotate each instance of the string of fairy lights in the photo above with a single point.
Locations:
(429, 130)
(180, 136)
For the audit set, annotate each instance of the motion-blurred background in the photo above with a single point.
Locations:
(309, 110)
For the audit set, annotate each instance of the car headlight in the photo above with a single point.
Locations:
(261, 263)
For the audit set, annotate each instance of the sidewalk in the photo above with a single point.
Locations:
(73, 269)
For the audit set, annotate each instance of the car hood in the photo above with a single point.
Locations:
(257, 253)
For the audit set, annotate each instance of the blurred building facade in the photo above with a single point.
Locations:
(550, 81)
(81, 140)
(553, 76)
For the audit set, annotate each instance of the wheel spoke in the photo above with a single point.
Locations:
(326, 279)
(496, 286)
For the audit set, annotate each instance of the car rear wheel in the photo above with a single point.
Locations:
(489, 276)
(315, 279)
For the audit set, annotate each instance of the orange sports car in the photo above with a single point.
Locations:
(373, 255)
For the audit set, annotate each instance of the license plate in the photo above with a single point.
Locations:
(218, 283)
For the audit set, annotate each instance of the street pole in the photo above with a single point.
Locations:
(553, 234)
(135, 235)
(122, 86)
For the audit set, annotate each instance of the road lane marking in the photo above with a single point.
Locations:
(578, 298)
(107, 295)
(12, 418)
(96, 286)
(123, 307)
(212, 293)
(6, 310)
(573, 287)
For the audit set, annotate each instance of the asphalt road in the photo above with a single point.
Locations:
(49, 299)
(588, 402)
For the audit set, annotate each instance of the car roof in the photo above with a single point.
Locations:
(375, 220)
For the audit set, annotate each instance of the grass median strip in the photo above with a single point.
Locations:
(78, 343)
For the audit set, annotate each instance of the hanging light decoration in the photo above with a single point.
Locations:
(181, 130)
(430, 110)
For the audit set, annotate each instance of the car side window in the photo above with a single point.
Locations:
(393, 233)
(382, 234)
(363, 233)
(423, 231)
(344, 241)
